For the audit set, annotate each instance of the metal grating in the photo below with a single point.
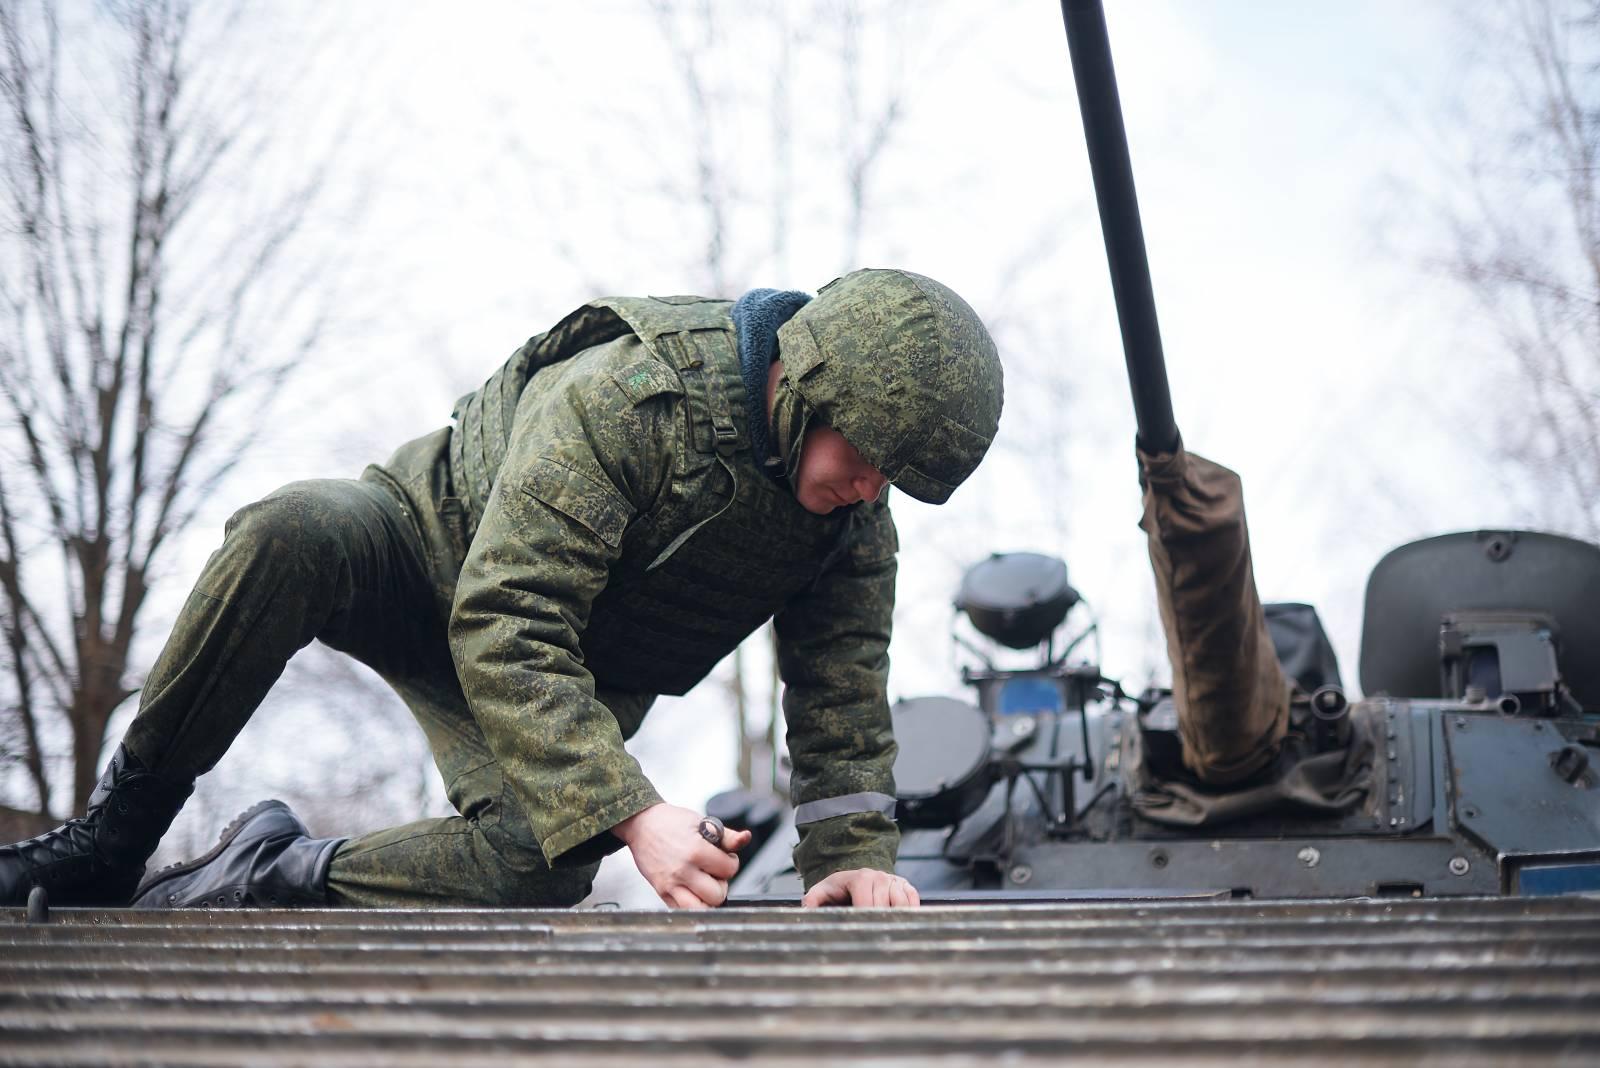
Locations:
(1415, 982)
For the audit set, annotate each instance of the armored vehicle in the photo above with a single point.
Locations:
(1469, 768)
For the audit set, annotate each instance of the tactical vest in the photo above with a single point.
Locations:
(728, 546)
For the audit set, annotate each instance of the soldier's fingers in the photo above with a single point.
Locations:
(713, 861)
(733, 841)
(861, 892)
(708, 891)
(899, 894)
(685, 898)
(881, 885)
(916, 898)
(830, 891)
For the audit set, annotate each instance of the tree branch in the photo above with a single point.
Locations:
(17, 646)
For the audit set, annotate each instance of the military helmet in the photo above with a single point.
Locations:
(903, 368)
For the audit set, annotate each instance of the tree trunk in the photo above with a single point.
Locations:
(16, 824)
(98, 697)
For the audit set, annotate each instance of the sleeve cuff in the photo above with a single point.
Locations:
(587, 840)
(845, 843)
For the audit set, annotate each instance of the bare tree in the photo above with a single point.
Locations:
(1525, 245)
(152, 304)
(726, 192)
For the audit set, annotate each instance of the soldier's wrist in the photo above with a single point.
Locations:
(629, 829)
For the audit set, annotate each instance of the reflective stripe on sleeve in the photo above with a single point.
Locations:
(844, 805)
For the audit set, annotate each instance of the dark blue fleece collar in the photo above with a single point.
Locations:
(756, 318)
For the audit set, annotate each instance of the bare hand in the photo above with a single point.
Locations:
(863, 888)
(685, 870)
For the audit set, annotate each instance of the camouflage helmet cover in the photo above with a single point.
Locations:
(903, 368)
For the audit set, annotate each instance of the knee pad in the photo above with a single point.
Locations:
(299, 523)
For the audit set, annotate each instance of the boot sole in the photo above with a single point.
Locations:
(229, 833)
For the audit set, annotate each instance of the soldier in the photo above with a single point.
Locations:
(633, 493)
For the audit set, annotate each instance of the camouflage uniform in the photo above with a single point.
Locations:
(592, 532)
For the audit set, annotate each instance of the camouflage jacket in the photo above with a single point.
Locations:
(615, 538)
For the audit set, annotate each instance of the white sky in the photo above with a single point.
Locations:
(520, 155)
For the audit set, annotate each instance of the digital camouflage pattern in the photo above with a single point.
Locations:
(630, 538)
(527, 581)
(903, 368)
(346, 562)
(594, 531)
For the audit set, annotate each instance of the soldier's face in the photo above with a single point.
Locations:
(832, 473)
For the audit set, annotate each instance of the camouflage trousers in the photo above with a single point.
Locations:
(346, 563)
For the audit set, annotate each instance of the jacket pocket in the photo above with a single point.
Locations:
(597, 507)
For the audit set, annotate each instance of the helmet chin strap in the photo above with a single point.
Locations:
(791, 416)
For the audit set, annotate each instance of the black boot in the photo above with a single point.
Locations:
(265, 859)
(97, 858)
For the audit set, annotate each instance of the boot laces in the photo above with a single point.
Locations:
(76, 837)
(72, 839)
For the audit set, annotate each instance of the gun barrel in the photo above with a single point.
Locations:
(1119, 222)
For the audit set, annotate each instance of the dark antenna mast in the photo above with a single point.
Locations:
(1119, 222)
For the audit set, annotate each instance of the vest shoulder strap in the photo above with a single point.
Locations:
(694, 335)
(688, 332)
(652, 317)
